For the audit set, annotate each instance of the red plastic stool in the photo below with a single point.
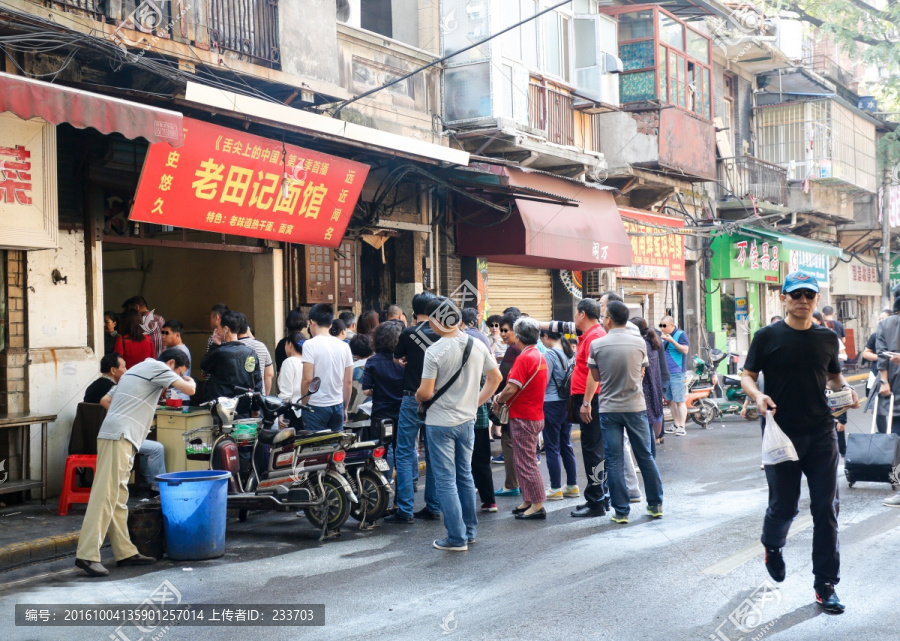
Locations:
(72, 493)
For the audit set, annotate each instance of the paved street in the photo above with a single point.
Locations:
(691, 575)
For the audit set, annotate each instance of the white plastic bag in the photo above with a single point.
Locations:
(776, 446)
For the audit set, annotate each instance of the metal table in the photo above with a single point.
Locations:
(21, 421)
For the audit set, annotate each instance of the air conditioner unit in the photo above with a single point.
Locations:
(596, 84)
(849, 309)
(349, 13)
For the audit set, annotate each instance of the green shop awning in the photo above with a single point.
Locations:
(801, 253)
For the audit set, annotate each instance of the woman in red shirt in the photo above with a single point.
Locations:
(133, 345)
(524, 395)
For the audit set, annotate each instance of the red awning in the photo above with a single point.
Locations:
(56, 104)
(585, 234)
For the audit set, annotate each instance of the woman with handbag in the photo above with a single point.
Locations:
(557, 428)
(522, 400)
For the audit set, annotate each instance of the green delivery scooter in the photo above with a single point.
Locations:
(731, 400)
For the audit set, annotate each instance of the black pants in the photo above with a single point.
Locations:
(597, 491)
(481, 466)
(818, 455)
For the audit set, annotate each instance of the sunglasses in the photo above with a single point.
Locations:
(166, 333)
(663, 324)
(808, 293)
(504, 331)
(495, 324)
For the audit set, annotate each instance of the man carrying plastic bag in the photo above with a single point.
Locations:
(799, 360)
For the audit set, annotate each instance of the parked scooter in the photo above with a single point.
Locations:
(731, 401)
(304, 470)
(366, 466)
(700, 408)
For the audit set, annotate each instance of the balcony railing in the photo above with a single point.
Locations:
(247, 27)
(829, 67)
(92, 6)
(553, 113)
(746, 177)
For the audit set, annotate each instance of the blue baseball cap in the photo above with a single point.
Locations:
(799, 280)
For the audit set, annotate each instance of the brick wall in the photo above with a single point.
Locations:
(12, 360)
(647, 122)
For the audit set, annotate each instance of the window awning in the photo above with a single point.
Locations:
(796, 243)
(583, 231)
(28, 98)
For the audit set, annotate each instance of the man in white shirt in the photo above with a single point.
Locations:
(450, 420)
(329, 359)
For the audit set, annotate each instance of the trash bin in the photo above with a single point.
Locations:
(194, 507)
(145, 529)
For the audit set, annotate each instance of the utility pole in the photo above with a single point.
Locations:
(886, 241)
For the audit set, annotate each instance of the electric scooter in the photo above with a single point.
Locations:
(366, 466)
(304, 470)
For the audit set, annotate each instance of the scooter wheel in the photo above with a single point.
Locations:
(336, 508)
(242, 515)
(373, 498)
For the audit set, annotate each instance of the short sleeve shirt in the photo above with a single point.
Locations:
(330, 358)
(459, 404)
(412, 345)
(134, 401)
(528, 402)
(580, 373)
(674, 358)
(796, 364)
(619, 357)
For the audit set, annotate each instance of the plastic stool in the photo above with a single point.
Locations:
(72, 493)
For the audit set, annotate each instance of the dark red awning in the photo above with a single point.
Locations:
(56, 104)
(585, 234)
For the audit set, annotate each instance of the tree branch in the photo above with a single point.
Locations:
(816, 22)
(873, 11)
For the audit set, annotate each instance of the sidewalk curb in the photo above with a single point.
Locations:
(37, 550)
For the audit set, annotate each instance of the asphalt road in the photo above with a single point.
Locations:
(695, 574)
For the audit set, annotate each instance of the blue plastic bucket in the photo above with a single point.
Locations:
(194, 508)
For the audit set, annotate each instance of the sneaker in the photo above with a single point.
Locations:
(497, 460)
(669, 430)
(470, 541)
(555, 494)
(399, 517)
(488, 507)
(655, 511)
(538, 458)
(637, 498)
(775, 564)
(679, 431)
(445, 544)
(618, 517)
(93, 568)
(571, 492)
(894, 501)
(828, 599)
(505, 492)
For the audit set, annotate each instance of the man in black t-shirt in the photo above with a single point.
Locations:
(799, 360)
(410, 353)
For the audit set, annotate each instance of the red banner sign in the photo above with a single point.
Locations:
(656, 254)
(231, 182)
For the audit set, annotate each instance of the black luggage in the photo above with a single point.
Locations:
(874, 457)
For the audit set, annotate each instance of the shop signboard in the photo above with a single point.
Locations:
(744, 257)
(28, 209)
(810, 262)
(231, 182)
(857, 278)
(741, 309)
(656, 255)
(895, 271)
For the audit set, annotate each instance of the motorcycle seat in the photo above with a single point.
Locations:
(273, 437)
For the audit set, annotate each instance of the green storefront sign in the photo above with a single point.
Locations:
(746, 258)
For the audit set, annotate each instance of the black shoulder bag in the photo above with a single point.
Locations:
(423, 407)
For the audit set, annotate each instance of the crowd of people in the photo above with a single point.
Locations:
(519, 380)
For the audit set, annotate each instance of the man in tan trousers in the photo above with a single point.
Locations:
(130, 406)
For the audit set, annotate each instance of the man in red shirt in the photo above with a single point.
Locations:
(583, 406)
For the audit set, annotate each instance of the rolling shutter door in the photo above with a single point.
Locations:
(529, 289)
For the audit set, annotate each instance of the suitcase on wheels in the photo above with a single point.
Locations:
(874, 457)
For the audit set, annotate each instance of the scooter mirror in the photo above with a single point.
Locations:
(314, 385)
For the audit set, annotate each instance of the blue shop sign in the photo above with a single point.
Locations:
(811, 262)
